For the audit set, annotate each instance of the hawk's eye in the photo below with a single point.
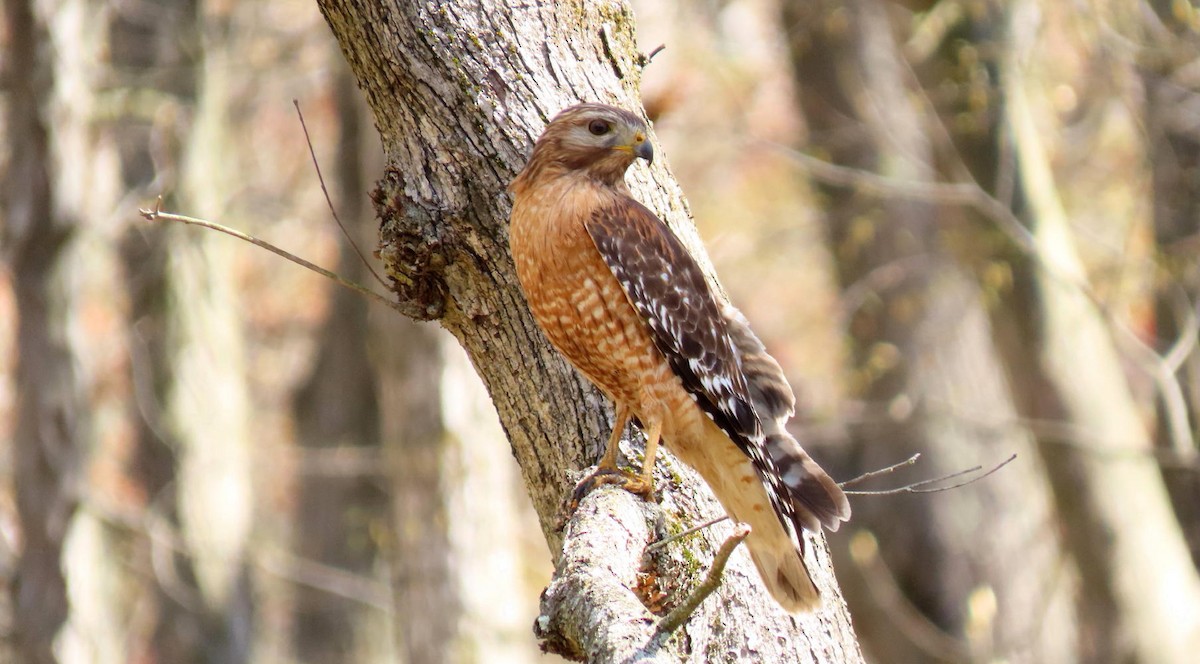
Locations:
(599, 127)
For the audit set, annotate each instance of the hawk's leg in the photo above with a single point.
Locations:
(608, 462)
(653, 436)
(607, 471)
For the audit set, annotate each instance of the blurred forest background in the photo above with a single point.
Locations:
(211, 455)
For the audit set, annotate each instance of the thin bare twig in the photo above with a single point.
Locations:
(678, 536)
(681, 613)
(649, 57)
(1189, 325)
(157, 214)
(1162, 368)
(321, 178)
(882, 471)
(1174, 403)
(917, 487)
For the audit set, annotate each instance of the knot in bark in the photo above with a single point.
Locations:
(412, 247)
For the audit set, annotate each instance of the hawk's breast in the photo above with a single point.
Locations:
(574, 296)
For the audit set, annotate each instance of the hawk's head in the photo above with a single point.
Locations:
(600, 140)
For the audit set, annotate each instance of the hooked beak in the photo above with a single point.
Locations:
(643, 149)
(639, 147)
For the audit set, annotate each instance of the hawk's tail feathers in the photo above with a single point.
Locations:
(816, 501)
(782, 569)
(815, 497)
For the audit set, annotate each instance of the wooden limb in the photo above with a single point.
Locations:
(589, 612)
(681, 613)
(156, 214)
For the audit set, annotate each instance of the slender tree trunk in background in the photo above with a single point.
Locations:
(424, 567)
(1134, 566)
(52, 428)
(1172, 94)
(459, 94)
(925, 366)
(1135, 575)
(461, 593)
(500, 558)
(149, 52)
(206, 405)
(143, 76)
(342, 508)
(103, 63)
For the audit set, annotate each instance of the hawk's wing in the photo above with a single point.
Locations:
(668, 290)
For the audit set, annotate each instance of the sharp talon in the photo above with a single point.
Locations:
(635, 484)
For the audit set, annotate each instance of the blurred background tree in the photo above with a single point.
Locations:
(202, 447)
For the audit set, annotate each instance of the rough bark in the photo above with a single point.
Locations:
(459, 92)
(925, 367)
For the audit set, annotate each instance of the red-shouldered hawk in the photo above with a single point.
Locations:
(620, 296)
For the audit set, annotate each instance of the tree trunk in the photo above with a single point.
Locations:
(459, 94)
(1172, 99)
(204, 349)
(52, 433)
(1135, 569)
(342, 508)
(925, 365)
(424, 566)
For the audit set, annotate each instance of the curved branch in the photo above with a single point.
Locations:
(589, 610)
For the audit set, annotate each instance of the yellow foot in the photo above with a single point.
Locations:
(636, 484)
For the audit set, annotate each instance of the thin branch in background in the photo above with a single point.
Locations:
(321, 178)
(931, 30)
(326, 578)
(166, 542)
(969, 193)
(886, 593)
(919, 487)
(1163, 368)
(680, 614)
(1189, 325)
(879, 280)
(157, 214)
(1174, 403)
(1045, 431)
